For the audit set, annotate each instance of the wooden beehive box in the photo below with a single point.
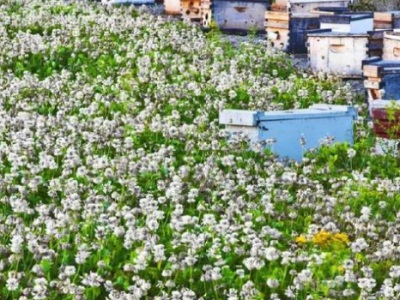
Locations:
(191, 10)
(338, 53)
(391, 46)
(238, 16)
(348, 22)
(277, 24)
(387, 20)
(288, 31)
(288, 128)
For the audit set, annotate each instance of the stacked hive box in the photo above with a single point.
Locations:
(383, 22)
(341, 45)
(382, 76)
(229, 15)
(382, 81)
(288, 22)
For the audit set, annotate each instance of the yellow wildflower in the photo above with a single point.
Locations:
(322, 238)
(342, 237)
(301, 239)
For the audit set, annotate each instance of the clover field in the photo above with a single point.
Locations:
(117, 182)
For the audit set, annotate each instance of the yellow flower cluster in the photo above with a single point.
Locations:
(301, 239)
(324, 238)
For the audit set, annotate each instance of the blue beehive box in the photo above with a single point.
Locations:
(293, 131)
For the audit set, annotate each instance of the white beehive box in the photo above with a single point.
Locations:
(348, 23)
(236, 16)
(338, 53)
(172, 7)
(291, 128)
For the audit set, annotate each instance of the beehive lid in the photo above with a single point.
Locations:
(345, 18)
(392, 35)
(314, 111)
(326, 33)
(384, 64)
(238, 117)
(379, 103)
(332, 9)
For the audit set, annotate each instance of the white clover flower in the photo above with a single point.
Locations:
(12, 284)
(16, 243)
(92, 279)
(252, 263)
(394, 272)
(348, 292)
(366, 283)
(272, 283)
(358, 245)
(82, 256)
(271, 253)
(351, 153)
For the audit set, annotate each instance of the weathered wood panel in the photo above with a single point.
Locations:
(277, 15)
(387, 20)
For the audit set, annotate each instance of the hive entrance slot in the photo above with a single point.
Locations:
(240, 9)
(337, 48)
